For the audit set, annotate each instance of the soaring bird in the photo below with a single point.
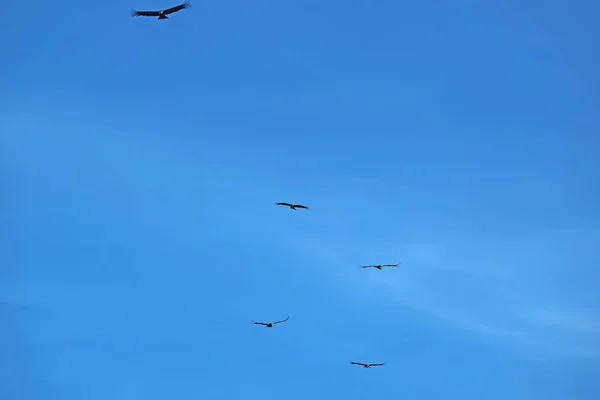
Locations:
(367, 365)
(292, 206)
(270, 324)
(161, 14)
(380, 266)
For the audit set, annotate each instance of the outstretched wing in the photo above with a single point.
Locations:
(377, 365)
(300, 206)
(260, 323)
(390, 265)
(283, 320)
(135, 13)
(283, 204)
(357, 363)
(367, 266)
(180, 7)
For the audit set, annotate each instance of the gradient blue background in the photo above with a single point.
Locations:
(140, 160)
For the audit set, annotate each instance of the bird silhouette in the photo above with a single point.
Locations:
(270, 324)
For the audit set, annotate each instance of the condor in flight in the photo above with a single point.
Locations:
(270, 324)
(367, 365)
(161, 14)
(292, 206)
(380, 266)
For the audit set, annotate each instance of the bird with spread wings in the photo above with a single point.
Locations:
(366, 365)
(292, 206)
(161, 14)
(380, 266)
(270, 324)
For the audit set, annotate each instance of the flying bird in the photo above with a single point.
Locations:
(161, 14)
(367, 365)
(380, 266)
(292, 206)
(270, 324)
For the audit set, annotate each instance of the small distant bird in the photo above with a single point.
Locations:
(367, 365)
(161, 14)
(270, 324)
(380, 266)
(292, 206)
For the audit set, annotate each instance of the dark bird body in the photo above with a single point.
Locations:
(367, 365)
(270, 324)
(380, 266)
(161, 14)
(292, 206)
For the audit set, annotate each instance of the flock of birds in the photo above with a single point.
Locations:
(162, 14)
(376, 266)
(293, 206)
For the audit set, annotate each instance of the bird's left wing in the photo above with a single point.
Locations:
(301, 206)
(144, 13)
(356, 363)
(180, 7)
(390, 265)
(377, 365)
(283, 320)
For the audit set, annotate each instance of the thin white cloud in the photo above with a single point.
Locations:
(555, 318)
(475, 294)
(511, 289)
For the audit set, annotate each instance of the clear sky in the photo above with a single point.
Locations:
(140, 161)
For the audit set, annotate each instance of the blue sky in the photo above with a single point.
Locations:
(140, 160)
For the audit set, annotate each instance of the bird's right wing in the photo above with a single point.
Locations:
(259, 323)
(356, 363)
(283, 204)
(377, 365)
(144, 13)
(180, 7)
(367, 266)
(283, 320)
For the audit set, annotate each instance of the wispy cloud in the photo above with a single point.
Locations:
(572, 320)
(534, 290)
(510, 297)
